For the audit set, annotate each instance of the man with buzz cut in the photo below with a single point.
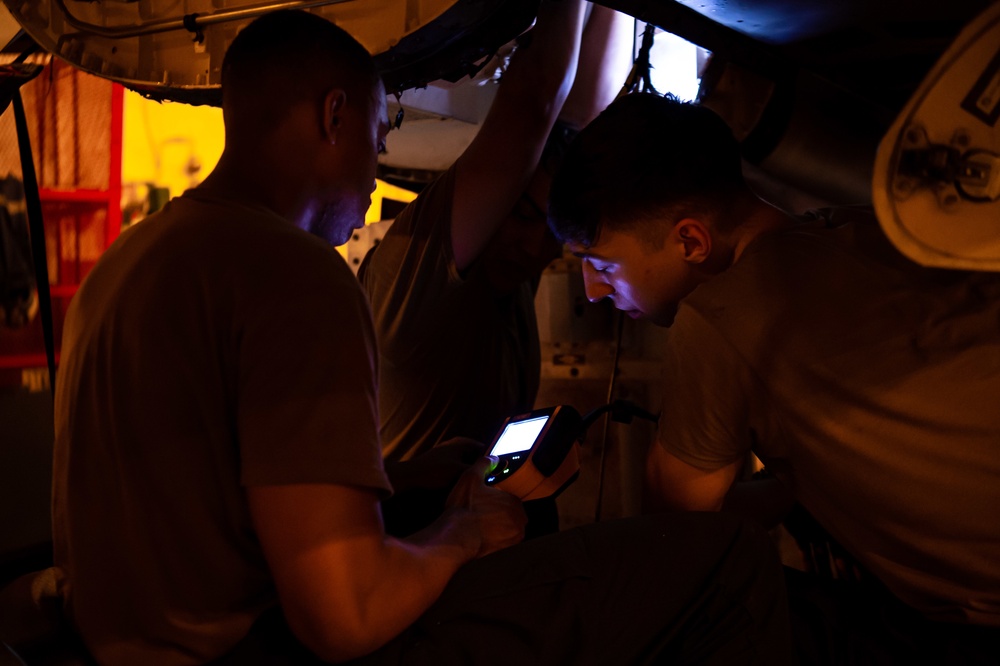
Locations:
(868, 385)
(218, 470)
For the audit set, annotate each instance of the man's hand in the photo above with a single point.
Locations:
(499, 514)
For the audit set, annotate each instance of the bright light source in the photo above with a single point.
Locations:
(674, 63)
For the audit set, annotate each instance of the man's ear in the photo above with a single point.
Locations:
(333, 111)
(694, 237)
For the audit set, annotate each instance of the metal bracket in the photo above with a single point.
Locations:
(953, 171)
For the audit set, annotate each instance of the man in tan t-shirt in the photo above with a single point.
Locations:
(453, 282)
(216, 446)
(867, 384)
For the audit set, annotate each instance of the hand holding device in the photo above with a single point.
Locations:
(500, 516)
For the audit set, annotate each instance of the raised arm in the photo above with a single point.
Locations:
(606, 55)
(493, 171)
(345, 587)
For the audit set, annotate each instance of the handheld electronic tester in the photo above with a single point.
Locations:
(538, 452)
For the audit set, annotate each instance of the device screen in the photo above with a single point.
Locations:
(519, 436)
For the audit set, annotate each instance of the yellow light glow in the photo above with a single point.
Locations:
(384, 190)
(169, 145)
(176, 145)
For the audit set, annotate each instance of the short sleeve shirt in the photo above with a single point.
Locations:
(214, 346)
(455, 359)
(869, 385)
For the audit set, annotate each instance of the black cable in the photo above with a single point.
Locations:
(622, 411)
(37, 234)
(16, 656)
(23, 56)
(607, 421)
(639, 79)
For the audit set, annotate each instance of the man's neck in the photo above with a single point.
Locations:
(261, 173)
(760, 218)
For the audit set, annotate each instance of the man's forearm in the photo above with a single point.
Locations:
(346, 588)
(543, 71)
(364, 598)
(417, 569)
(493, 171)
(604, 63)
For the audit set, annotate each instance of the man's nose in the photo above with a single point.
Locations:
(594, 287)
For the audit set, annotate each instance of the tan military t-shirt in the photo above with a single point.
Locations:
(214, 346)
(869, 385)
(455, 360)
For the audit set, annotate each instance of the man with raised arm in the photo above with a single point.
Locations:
(453, 282)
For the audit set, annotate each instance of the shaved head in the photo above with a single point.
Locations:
(284, 58)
